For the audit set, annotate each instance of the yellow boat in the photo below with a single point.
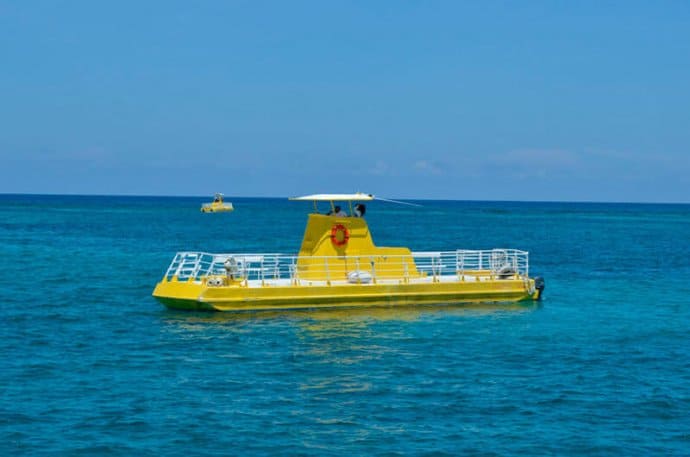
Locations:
(217, 206)
(338, 265)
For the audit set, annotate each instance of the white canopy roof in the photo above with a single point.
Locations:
(335, 197)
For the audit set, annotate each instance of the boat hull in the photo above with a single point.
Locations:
(197, 296)
(217, 209)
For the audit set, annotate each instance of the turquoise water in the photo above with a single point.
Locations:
(92, 365)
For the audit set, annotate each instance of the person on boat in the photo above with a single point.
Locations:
(338, 212)
(360, 210)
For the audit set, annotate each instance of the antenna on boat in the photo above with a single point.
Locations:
(396, 201)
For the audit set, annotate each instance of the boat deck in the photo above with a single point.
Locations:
(280, 270)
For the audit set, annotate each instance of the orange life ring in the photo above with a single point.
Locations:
(342, 241)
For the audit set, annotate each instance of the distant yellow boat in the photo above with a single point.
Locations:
(338, 265)
(217, 206)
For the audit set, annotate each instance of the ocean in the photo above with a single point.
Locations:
(92, 365)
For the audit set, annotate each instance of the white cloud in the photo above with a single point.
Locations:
(536, 157)
(380, 168)
(528, 163)
(427, 167)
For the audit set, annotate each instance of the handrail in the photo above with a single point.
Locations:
(498, 263)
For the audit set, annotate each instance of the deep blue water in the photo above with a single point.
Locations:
(92, 365)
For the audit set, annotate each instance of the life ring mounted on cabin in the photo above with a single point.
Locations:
(340, 235)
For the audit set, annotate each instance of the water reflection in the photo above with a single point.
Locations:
(317, 362)
(342, 318)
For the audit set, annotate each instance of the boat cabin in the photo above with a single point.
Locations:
(347, 243)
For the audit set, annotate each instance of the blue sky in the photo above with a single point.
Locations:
(573, 101)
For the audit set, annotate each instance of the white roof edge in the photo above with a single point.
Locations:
(334, 197)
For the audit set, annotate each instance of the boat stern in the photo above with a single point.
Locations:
(176, 294)
(539, 285)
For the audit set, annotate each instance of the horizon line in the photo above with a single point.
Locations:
(398, 198)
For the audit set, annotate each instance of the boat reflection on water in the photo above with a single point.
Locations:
(342, 317)
(333, 354)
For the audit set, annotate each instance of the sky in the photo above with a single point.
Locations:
(465, 100)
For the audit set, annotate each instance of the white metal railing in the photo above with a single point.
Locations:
(501, 263)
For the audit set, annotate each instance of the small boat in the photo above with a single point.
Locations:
(338, 265)
(217, 206)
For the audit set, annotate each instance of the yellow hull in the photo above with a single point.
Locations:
(197, 296)
(217, 209)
